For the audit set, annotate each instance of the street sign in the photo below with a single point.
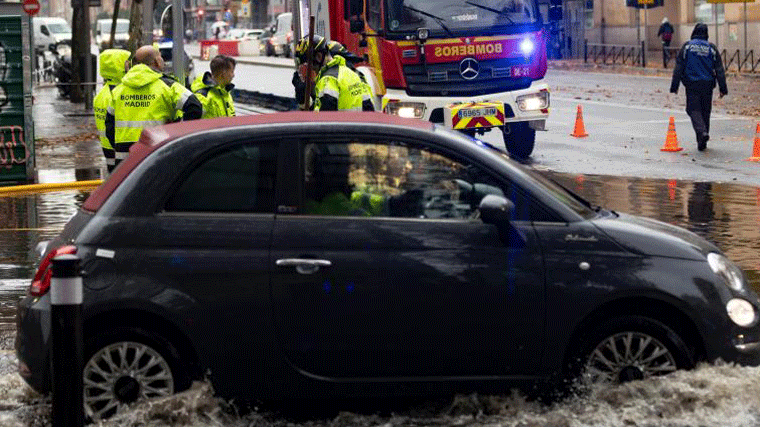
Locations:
(31, 7)
(644, 4)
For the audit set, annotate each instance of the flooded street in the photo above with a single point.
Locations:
(712, 395)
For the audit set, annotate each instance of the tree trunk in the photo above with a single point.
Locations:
(135, 26)
(116, 7)
(79, 47)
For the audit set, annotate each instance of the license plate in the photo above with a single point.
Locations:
(477, 112)
(474, 115)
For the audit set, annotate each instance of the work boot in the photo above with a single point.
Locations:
(702, 141)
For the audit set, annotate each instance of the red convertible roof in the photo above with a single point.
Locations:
(151, 139)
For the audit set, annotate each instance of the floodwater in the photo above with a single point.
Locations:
(711, 395)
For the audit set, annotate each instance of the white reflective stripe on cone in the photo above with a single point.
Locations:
(65, 290)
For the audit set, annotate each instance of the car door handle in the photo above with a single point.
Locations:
(304, 265)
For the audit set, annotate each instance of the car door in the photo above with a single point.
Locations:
(384, 270)
(210, 247)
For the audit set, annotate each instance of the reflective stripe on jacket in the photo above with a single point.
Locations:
(112, 70)
(340, 88)
(146, 98)
(216, 100)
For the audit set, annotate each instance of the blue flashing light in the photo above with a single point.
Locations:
(350, 287)
(326, 287)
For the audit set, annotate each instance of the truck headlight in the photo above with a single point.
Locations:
(728, 271)
(533, 101)
(527, 46)
(411, 110)
(741, 312)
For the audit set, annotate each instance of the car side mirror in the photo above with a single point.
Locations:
(356, 25)
(495, 209)
(44, 30)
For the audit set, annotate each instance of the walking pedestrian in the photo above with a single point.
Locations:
(699, 66)
(213, 88)
(666, 35)
(113, 66)
(146, 98)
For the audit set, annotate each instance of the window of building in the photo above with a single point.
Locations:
(703, 12)
(589, 14)
(237, 180)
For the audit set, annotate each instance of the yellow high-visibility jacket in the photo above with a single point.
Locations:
(112, 70)
(340, 88)
(216, 100)
(146, 98)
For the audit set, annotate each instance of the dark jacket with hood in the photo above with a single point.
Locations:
(699, 61)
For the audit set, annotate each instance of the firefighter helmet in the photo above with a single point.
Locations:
(302, 48)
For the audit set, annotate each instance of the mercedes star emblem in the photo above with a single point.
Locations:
(469, 68)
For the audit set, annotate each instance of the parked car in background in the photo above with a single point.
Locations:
(103, 33)
(244, 34)
(281, 42)
(300, 255)
(166, 49)
(50, 31)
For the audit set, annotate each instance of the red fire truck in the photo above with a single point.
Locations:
(473, 65)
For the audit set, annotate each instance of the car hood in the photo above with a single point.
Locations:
(654, 238)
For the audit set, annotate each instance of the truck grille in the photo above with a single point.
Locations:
(445, 79)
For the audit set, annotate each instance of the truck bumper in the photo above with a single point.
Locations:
(434, 107)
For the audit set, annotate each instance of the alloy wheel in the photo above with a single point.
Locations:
(628, 356)
(122, 373)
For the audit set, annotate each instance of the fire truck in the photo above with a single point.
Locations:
(472, 65)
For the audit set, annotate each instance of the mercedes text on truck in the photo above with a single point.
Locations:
(473, 65)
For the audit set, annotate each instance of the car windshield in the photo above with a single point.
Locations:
(459, 16)
(121, 27)
(567, 197)
(59, 28)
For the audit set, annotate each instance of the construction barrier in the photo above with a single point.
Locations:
(226, 47)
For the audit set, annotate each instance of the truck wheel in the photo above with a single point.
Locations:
(519, 139)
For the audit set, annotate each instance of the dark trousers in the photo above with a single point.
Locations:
(699, 105)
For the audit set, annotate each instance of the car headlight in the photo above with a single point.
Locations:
(534, 101)
(741, 312)
(411, 110)
(727, 270)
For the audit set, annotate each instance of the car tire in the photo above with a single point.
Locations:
(636, 339)
(519, 139)
(270, 50)
(108, 387)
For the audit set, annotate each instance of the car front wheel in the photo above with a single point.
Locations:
(128, 365)
(629, 348)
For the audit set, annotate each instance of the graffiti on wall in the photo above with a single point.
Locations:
(11, 139)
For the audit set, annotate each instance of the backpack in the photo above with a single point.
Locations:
(667, 36)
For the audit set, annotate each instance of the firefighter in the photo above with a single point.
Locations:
(146, 98)
(335, 48)
(213, 88)
(113, 66)
(337, 86)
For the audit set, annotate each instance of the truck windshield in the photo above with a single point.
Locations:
(59, 28)
(121, 27)
(459, 16)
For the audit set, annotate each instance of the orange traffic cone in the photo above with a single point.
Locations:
(580, 130)
(756, 149)
(671, 141)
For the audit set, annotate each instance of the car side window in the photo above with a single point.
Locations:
(241, 179)
(390, 180)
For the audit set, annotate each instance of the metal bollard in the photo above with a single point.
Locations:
(66, 336)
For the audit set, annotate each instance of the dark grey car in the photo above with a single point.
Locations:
(303, 255)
